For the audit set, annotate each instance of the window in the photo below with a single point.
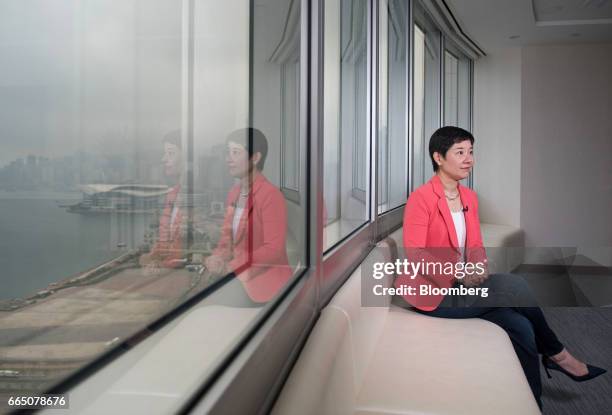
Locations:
(141, 140)
(451, 89)
(290, 76)
(426, 111)
(457, 87)
(345, 118)
(392, 106)
(287, 55)
(457, 90)
(154, 176)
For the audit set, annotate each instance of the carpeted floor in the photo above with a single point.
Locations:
(587, 333)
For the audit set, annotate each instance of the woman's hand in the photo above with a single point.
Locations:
(475, 279)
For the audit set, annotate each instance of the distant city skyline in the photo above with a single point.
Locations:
(38, 172)
(35, 172)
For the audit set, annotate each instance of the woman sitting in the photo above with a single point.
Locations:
(441, 224)
(254, 231)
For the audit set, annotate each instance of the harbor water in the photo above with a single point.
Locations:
(42, 243)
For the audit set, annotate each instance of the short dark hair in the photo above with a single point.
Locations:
(444, 138)
(173, 137)
(253, 140)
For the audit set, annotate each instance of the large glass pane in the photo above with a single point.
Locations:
(91, 108)
(456, 88)
(450, 89)
(290, 76)
(418, 110)
(345, 117)
(464, 93)
(393, 109)
(427, 62)
(142, 145)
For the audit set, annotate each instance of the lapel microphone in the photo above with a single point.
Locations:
(465, 209)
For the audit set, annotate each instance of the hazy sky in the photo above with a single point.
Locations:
(107, 76)
(94, 75)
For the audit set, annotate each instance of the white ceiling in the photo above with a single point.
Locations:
(572, 11)
(495, 24)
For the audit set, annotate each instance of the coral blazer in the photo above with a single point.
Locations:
(258, 254)
(169, 246)
(429, 234)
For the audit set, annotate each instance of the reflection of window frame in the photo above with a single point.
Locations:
(287, 56)
(352, 198)
(382, 127)
(287, 90)
(384, 168)
(359, 139)
(355, 51)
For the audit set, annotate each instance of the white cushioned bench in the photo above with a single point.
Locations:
(390, 360)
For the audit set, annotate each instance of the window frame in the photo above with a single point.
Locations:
(408, 115)
(358, 194)
(293, 311)
(425, 19)
(293, 314)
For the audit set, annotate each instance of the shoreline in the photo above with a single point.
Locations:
(92, 275)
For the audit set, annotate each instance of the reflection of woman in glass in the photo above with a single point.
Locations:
(252, 242)
(167, 251)
(441, 218)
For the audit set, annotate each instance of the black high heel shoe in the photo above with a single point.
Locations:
(594, 371)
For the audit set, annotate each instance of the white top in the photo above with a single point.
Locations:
(237, 215)
(459, 220)
(173, 214)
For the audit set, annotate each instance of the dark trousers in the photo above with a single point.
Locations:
(512, 306)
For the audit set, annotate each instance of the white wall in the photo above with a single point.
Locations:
(497, 130)
(567, 146)
(543, 128)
